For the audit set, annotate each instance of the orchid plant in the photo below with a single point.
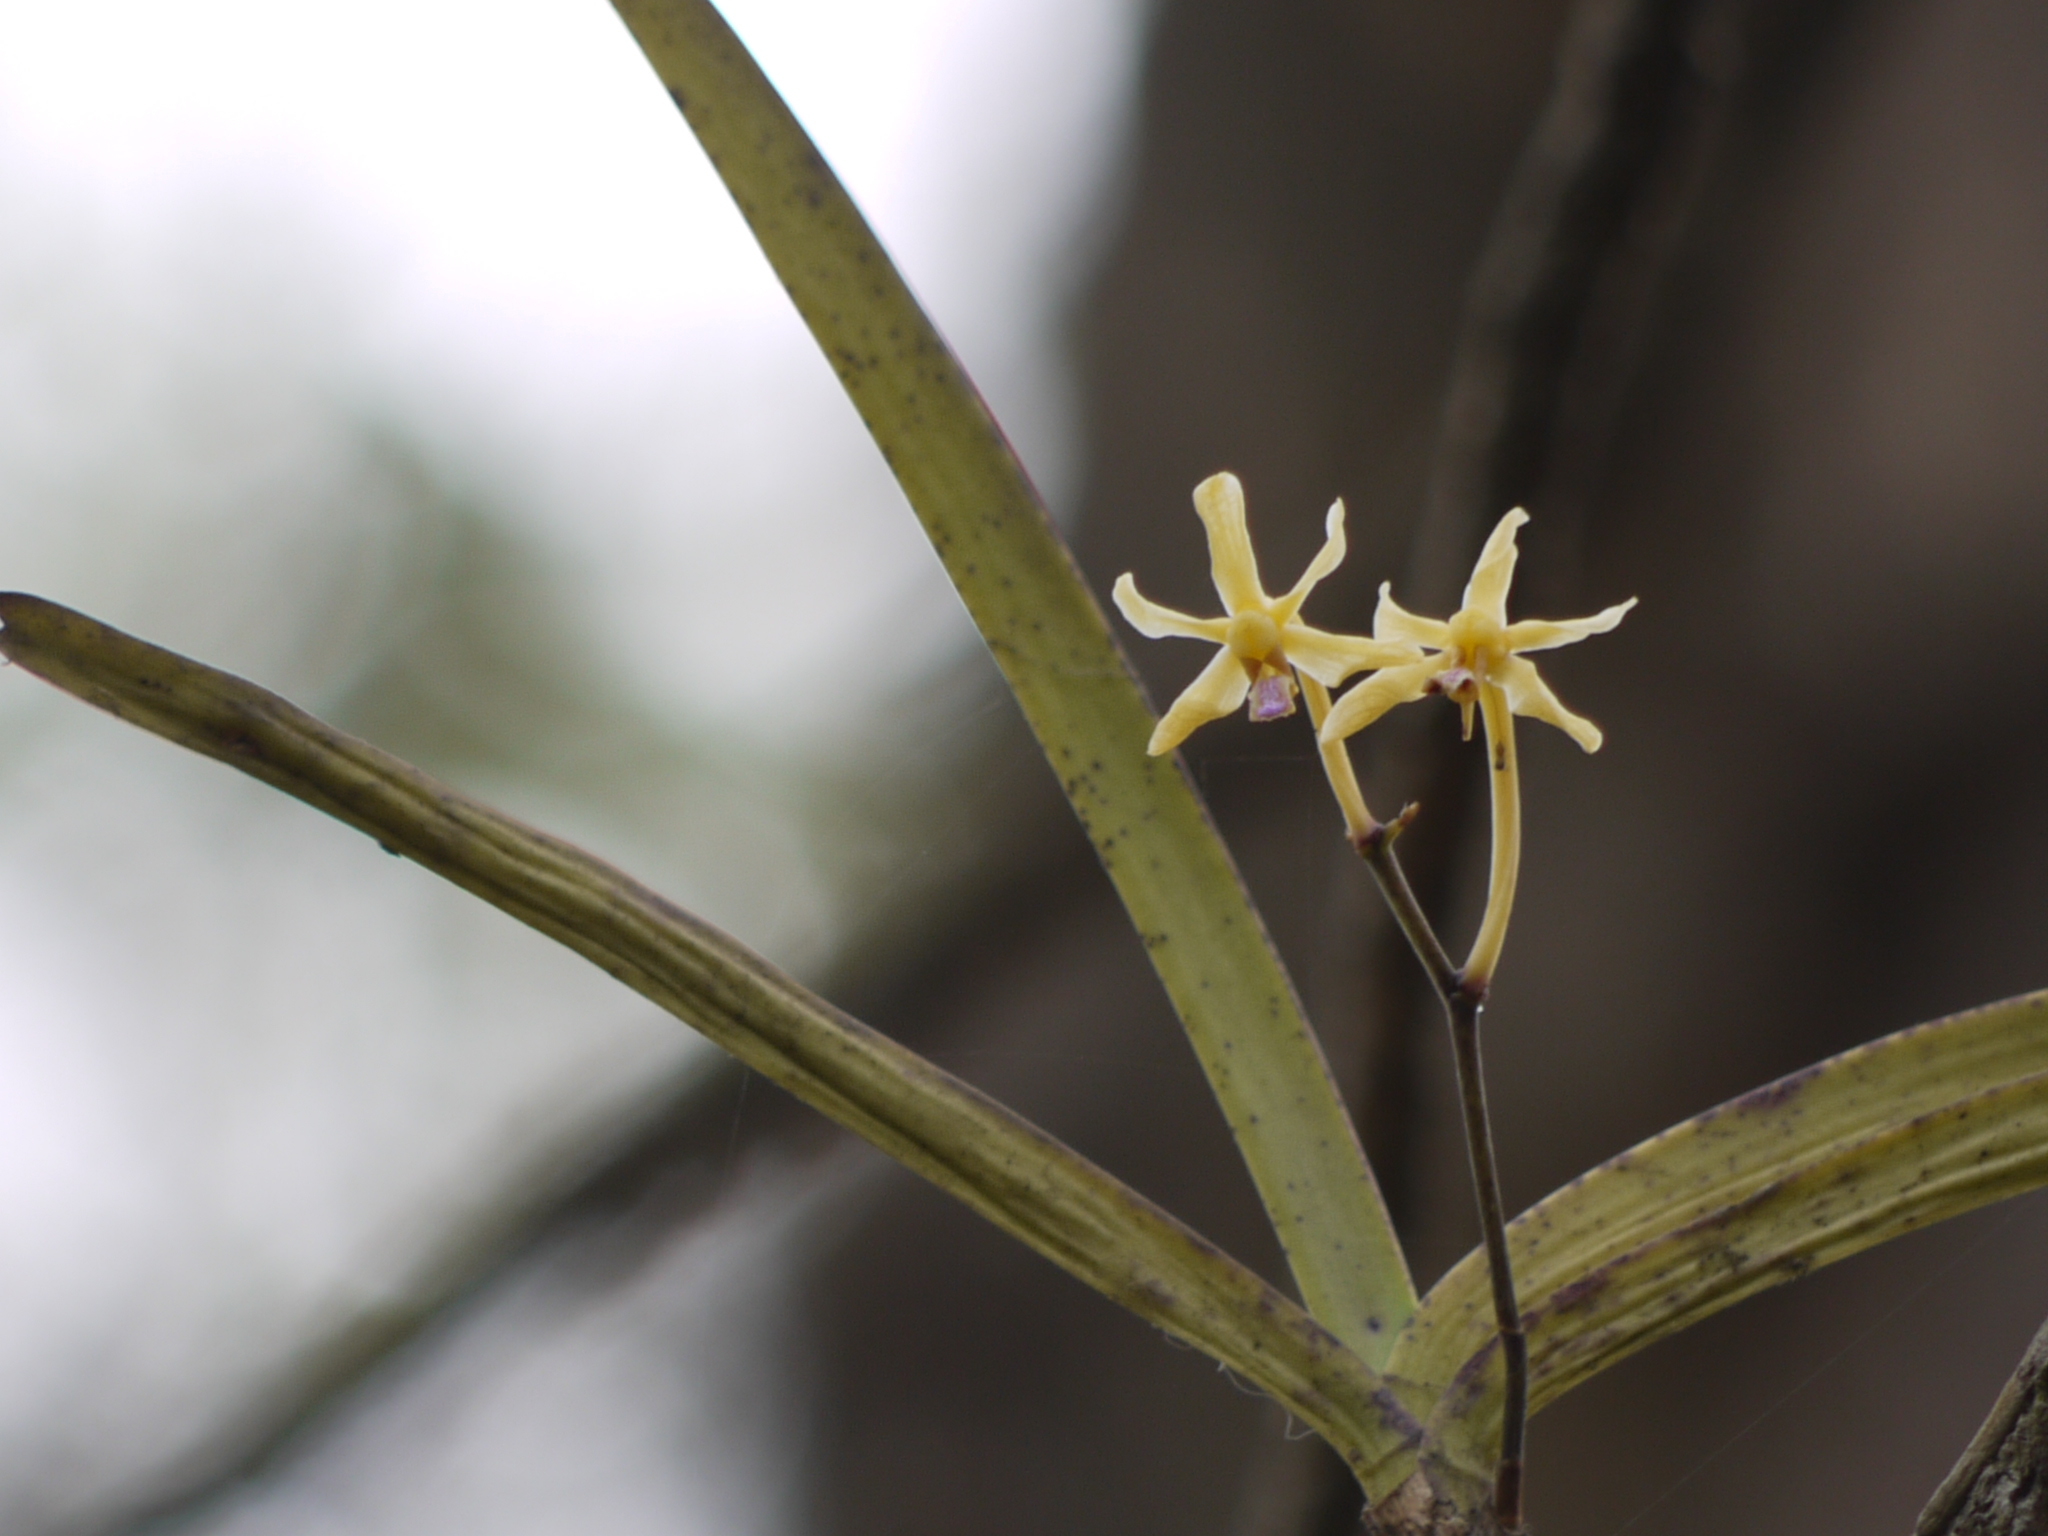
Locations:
(1476, 660)
(1422, 1395)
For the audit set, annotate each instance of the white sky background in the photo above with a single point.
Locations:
(244, 1058)
(534, 250)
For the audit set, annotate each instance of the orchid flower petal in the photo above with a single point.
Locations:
(1546, 634)
(1487, 591)
(1329, 659)
(1529, 695)
(1216, 691)
(1393, 622)
(1155, 621)
(1376, 695)
(1327, 559)
(1220, 502)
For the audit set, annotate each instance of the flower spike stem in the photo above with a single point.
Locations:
(1464, 996)
(1464, 1007)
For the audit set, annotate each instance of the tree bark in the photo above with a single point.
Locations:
(2000, 1487)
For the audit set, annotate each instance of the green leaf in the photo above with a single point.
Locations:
(1050, 640)
(1854, 1151)
(1001, 1165)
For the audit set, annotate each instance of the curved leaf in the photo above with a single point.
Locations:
(1925, 1124)
(1048, 636)
(1001, 1165)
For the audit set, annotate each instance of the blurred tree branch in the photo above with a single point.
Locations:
(1561, 297)
(1612, 155)
(564, 1188)
(1562, 300)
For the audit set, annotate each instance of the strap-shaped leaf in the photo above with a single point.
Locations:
(1001, 1165)
(1050, 639)
(1889, 1137)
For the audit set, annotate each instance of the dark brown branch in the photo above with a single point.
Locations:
(1559, 295)
(1624, 103)
(2000, 1487)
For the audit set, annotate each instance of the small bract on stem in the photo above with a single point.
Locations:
(1476, 659)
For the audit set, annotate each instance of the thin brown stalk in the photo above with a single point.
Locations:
(1463, 1007)
(1463, 1002)
(1463, 994)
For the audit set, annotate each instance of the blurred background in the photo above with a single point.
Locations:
(409, 360)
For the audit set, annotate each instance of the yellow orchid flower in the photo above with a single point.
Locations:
(1479, 660)
(1477, 649)
(1263, 641)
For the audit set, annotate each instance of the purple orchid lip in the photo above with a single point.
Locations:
(1456, 682)
(1272, 698)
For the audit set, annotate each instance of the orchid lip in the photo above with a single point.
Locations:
(1272, 698)
(1460, 683)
